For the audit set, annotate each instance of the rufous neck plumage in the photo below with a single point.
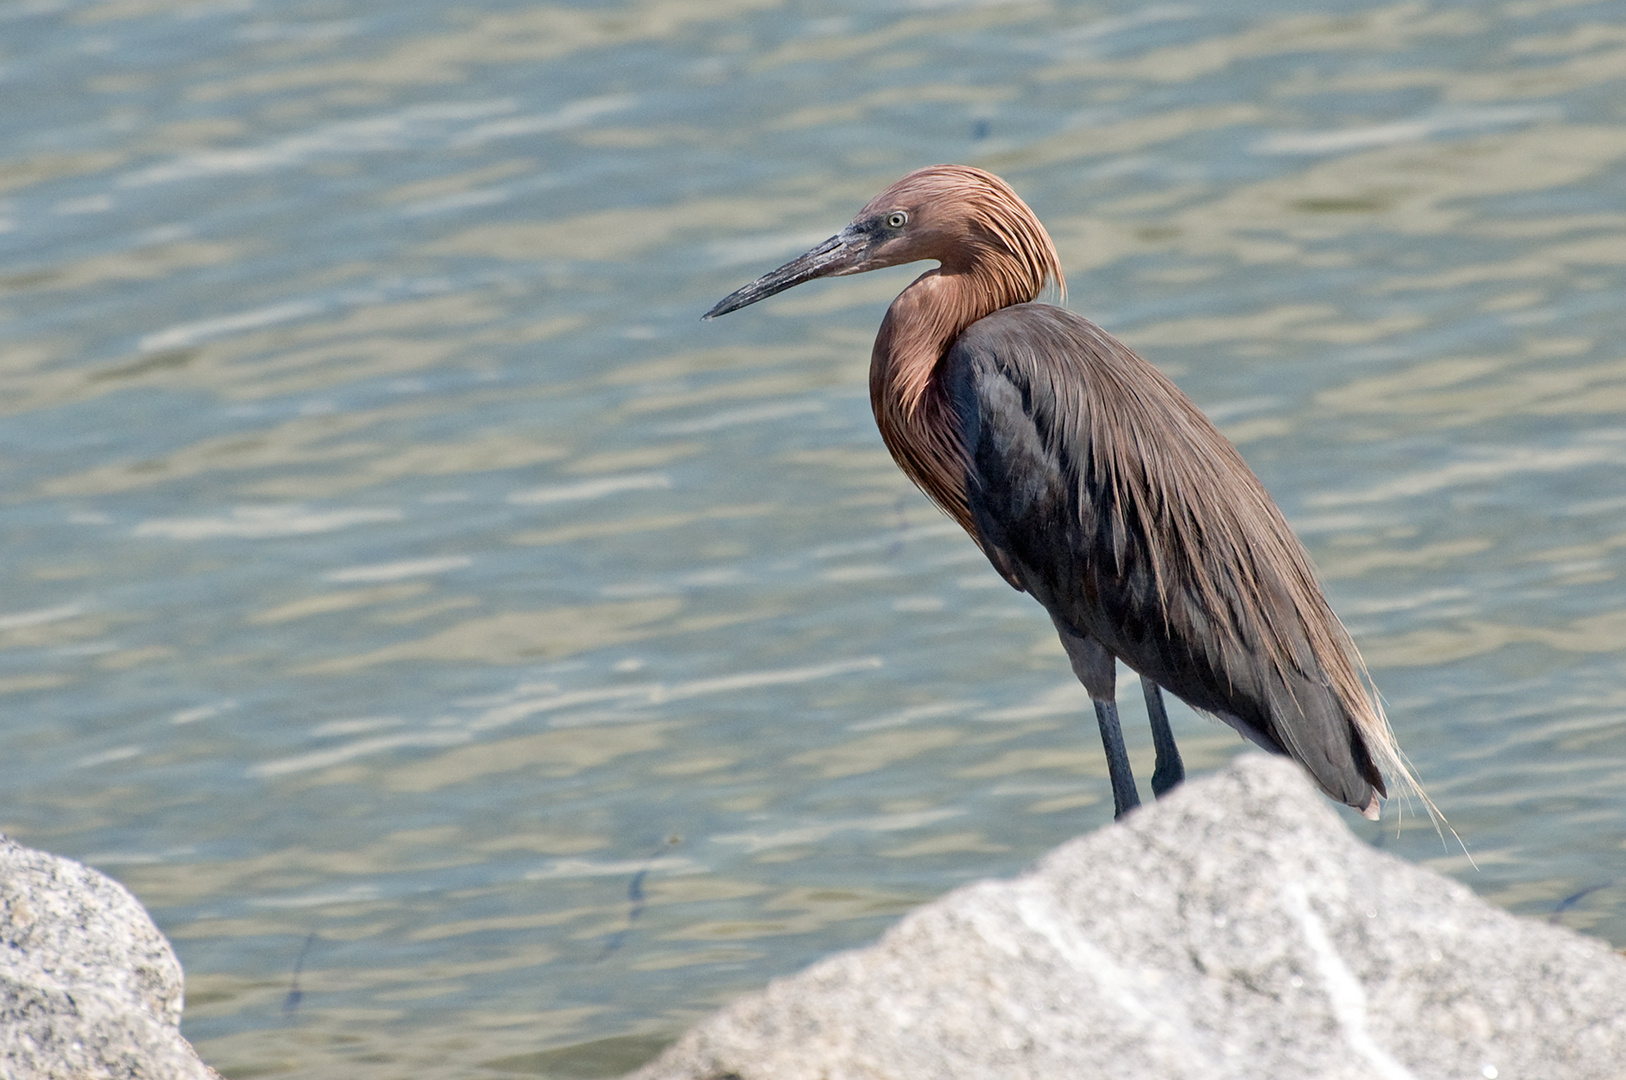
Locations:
(918, 331)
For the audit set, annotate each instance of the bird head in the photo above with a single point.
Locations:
(960, 216)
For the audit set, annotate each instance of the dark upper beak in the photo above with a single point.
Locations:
(841, 254)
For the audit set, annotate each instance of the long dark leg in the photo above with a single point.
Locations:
(1124, 797)
(1170, 769)
(1097, 669)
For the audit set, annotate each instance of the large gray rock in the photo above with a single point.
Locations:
(1234, 929)
(89, 989)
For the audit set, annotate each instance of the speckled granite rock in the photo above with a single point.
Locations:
(89, 989)
(1236, 929)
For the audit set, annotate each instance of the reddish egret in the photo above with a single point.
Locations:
(1092, 482)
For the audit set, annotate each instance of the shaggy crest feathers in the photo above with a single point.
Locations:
(1008, 248)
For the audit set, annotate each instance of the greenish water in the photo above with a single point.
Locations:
(419, 608)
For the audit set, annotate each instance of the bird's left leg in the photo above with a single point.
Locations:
(1097, 670)
(1170, 769)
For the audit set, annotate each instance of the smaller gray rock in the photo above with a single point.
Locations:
(1236, 929)
(89, 989)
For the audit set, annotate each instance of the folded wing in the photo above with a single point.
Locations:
(1098, 487)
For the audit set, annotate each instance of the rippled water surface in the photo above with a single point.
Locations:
(481, 667)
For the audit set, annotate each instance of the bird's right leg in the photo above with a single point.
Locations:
(1170, 769)
(1097, 670)
(1124, 796)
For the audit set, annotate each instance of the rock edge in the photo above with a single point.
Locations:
(89, 989)
(1236, 929)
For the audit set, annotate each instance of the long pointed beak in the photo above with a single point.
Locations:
(840, 254)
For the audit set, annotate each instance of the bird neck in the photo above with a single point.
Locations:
(910, 409)
(924, 321)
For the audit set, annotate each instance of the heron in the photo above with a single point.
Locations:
(1093, 484)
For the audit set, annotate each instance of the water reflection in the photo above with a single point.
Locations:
(395, 563)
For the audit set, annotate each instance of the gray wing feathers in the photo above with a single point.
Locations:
(1098, 487)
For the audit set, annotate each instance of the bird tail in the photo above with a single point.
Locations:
(1390, 760)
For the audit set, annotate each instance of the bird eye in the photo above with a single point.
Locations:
(897, 219)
